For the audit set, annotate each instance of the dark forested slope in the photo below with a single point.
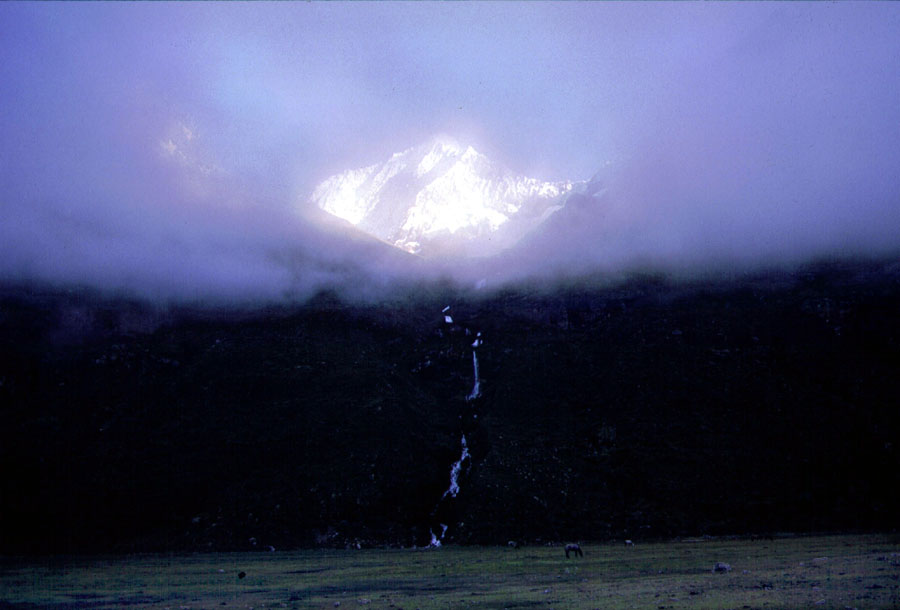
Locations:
(645, 409)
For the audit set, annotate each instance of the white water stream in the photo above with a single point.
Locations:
(457, 467)
(476, 389)
(435, 540)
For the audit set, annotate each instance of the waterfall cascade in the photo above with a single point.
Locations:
(457, 467)
(476, 389)
(435, 540)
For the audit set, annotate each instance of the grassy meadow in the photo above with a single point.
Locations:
(795, 572)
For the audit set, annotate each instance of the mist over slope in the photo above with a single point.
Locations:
(164, 149)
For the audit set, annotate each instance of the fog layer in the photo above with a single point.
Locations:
(163, 148)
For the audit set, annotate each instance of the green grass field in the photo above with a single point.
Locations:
(804, 572)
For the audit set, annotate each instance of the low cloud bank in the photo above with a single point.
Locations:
(168, 162)
(780, 148)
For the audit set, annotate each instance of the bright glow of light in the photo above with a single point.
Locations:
(434, 190)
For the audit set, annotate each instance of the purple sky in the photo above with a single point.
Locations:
(162, 147)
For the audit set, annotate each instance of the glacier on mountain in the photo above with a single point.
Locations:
(441, 198)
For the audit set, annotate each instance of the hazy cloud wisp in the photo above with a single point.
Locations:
(162, 149)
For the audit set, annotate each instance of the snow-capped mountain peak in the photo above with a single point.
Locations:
(442, 197)
(441, 148)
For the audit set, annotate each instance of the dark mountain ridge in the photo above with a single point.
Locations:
(641, 409)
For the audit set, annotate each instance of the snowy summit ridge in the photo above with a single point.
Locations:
(442, 197)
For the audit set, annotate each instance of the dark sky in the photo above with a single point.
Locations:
(165, 147)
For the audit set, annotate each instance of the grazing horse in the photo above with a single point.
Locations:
(574, 548)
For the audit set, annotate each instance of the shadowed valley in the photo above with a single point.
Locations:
(642, 409)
